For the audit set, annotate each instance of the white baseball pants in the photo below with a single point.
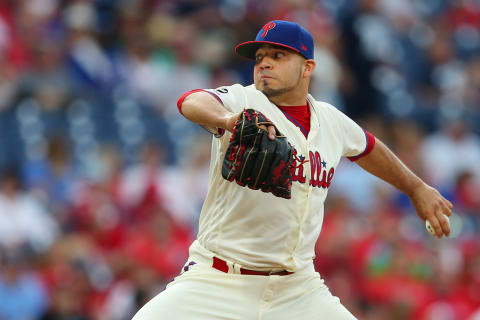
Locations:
(205, 293)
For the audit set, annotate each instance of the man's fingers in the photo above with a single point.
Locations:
(434, 208)
(449, 204)
(231, 121)
(440, 223)
(271, 132)
(447, 208)
(444, 222)
(436, 226)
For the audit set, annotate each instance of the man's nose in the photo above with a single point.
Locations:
(265, 63)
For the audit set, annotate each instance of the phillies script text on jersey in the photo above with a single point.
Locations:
(321, 176)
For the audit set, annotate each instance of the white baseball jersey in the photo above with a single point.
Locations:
(257, 229)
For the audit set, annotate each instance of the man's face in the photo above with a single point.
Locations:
(277, 71)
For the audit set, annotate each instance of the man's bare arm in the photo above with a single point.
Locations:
(202, 108)
(428, 202)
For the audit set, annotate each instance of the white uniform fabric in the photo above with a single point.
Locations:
(204, 293)
(258, 231)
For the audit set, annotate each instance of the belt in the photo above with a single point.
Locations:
(222, 265)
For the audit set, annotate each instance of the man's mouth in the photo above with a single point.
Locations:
(264, 76)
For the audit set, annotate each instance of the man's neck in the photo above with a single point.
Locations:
(295, 97)
(289, 100)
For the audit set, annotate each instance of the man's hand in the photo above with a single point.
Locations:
(431, 206)
(232, 119)
(428, 202)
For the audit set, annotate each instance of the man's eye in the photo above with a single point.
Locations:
(278, 55)
(258, 58)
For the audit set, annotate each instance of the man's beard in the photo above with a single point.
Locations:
(270, 93)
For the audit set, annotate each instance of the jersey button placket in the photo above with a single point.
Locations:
(308, 169)
(306, 207)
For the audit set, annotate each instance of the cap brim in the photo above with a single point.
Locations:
(248, 49)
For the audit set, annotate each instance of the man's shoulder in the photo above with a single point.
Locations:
(240, 91)
(322, 106)
(234, 87)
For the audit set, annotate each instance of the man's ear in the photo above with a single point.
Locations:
(309, 66)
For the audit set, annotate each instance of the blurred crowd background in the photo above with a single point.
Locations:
(102, 180)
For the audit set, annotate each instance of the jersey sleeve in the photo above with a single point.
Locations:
(230, 97)
(357, 142)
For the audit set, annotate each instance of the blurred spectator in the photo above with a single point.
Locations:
(354, 184)
(22, 292)
(47, 79)
(53, 178)
(77, 276)
(12, 44)
(467, 192)
(366, 38)
(8, 85)
(189, 181)
(23, 220)
(89, 62)
(445, 154)
(142, 185)
(159, 244)
(357, 186)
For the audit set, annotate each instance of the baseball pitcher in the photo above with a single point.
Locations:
(274, 156)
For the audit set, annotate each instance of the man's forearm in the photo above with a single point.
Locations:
(204, 109)
(428, 202)
(383, 163)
